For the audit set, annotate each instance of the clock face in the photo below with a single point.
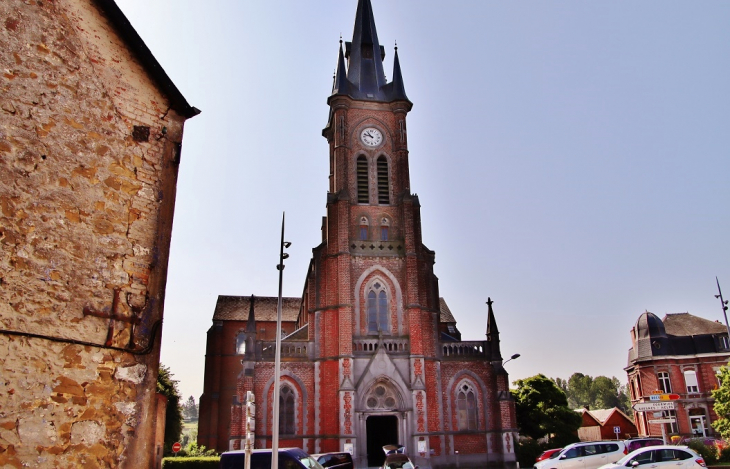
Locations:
(371, 137)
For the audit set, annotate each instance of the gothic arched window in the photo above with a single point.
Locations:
(377, 309)
(384, 229)
(363, 186)
(466, 408)
(383, 186)
(286, 411)
(363, 234)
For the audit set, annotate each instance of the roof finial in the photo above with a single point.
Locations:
(396, 44)
(340, 38)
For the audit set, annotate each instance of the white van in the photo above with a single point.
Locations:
(584, 455)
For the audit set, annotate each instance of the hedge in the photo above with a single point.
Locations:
(198, 462)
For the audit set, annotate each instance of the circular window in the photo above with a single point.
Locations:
(372, 402)
(389, 402)
(380, 391)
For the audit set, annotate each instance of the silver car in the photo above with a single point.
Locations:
(660, 457)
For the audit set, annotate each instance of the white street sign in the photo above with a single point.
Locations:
(653, 406)
(667, 420)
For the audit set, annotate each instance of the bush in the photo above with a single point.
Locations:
(527, 450)
(191, 463)
(725, 454)
(708, 453)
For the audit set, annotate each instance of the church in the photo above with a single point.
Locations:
(371, 354)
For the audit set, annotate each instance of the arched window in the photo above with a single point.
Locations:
(363, 187)
(286, 411)
(377, 309)
(383, 186)
(240, 343)
(363, 235)
(384, 229)
(466, 408)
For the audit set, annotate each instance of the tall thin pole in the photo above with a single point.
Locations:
(724, 307)
(277, 360)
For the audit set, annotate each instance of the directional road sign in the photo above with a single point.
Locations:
(663, 397)
(666, 420)
(653, 406)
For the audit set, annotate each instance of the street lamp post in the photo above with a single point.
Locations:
(277, 360)
(724, 307)
(513, 357)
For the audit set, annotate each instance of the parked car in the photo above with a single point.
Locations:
(663, 456)
(335, 460)
(289, 458)
(633, 444)
(584, 455)
(398, 461)
(546, 454)
(390, 449)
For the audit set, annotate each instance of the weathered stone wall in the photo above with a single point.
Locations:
(88, 165)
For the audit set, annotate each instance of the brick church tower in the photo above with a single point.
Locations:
(372, 355)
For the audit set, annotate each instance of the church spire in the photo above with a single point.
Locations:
(341, 84)
(493, 333)
(359, 72)
(398, 90)
(251, 323)
(365, 69)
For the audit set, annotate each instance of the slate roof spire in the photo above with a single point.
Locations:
(493, 333)
(365, 69)
(251, 323)
(360, 73)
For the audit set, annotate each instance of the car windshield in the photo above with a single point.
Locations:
(555, 454)
(310, 462)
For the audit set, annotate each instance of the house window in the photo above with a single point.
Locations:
(724, 342)
(384, 226)
(383, 189)
(466, 408)
(664, 384)
(690, 380)
(363, 186)
(286, 411)
(377, 309)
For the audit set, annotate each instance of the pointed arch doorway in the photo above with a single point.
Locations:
(380, 430)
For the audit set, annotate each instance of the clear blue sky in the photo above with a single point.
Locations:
(571, 159)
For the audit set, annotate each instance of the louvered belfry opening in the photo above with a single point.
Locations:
(363, 188)
(383, 191)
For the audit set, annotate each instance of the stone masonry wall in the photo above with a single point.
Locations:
(88, 165)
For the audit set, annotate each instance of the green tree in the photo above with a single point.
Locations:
(190, 409)
(722, 403)
(173, 416)
(595, 393)
(542, 410)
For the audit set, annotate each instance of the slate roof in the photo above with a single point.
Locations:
(686, 324)
(677, 334)
(236, 308)
(446, 315)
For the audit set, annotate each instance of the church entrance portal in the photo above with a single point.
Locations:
(381, 430)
